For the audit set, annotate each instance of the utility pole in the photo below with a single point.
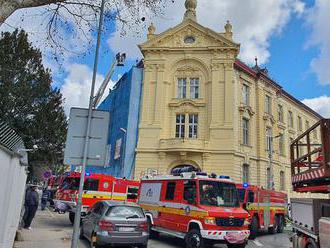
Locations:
(76, 225)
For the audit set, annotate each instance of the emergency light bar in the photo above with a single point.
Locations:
(245, 185)
(224, 177)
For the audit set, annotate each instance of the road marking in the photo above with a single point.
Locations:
(257, 243)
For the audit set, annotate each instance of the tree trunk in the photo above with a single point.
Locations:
(6, 9)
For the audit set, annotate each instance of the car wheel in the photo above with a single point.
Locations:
(236, 245)
(280, 224)
(143, 245)
(254, 227)
(194, 239)
(71, 217)
(272, 230)
(311, 243)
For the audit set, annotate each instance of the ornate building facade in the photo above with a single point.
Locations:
(201, 106)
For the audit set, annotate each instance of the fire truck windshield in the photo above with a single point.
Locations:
(71, 183)
(241, 195)
(220, 194)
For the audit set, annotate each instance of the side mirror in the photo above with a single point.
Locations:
(244, 206)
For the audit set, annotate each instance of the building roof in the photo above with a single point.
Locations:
(263, 75)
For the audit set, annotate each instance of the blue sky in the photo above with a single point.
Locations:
(289, 37)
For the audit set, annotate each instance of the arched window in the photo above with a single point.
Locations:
(246, 173)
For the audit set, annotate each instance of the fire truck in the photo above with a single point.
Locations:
(52, 184)
(310, 171)
(96, 187)
(267, 208)
(199, 208)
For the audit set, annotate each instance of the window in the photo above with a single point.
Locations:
(281, 145)
(246, 94)
(246, 131)
(315, 134)
(246, 173)
(97, 209)
(290, 119)
(182, 87)
(268, 178)
(180, 125)
(300, 123)
(189, 192)
(307, 125)
(194, 88)
(132, 192)
(280, 113)
(117, 149)
(250, 196)
(269, 139)
(126, 212)
(268, 104)
(91, 184)
(170, 189)
(193, 126)
(282, 180)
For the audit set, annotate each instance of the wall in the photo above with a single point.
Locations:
(123, 103)
(12, 186)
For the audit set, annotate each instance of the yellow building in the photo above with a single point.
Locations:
(203, 107)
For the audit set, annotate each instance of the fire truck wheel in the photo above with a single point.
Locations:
(272, 230)
(71, 217)
(280, 223)
(194, 239)
(236, 245)
(311, 243)
(254, 227)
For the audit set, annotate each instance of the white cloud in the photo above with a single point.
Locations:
(318, 18)
(77, 86)
(319, 104)
(254, 23)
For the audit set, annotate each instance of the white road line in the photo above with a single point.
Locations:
(257, 243)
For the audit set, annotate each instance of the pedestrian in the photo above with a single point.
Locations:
(44, 198)
(31, 206)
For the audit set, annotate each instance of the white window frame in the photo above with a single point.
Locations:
(268, 104)
(181, 124)
(246, 94)
(246, 131)
(246, 173)
(182, 88)
(194, 88)
(290, 119)
(193, 126)
(269, 134)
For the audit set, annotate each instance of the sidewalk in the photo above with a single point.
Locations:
(49, 230)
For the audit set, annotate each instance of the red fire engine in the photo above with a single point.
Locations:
(199, 208)
(96, 187)
(52, 185)
(310, 172)
(267, 208)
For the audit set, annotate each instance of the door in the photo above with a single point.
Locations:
(189, 201)
(266, 203)
(169, 206)
(92, 218)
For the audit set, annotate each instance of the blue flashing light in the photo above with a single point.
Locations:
(87, 174)
(224, 177)
(245, 185)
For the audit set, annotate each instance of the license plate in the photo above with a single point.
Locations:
(126, 229)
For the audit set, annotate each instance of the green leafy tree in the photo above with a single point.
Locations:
(28, 103)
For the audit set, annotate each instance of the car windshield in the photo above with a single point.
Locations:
(127, 212)
(241, 195)
(220, 194)
(70, 183)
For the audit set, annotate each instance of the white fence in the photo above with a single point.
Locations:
(12, 184)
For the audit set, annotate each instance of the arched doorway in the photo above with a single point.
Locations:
(184, 168)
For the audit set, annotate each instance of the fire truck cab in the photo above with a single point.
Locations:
(96, 187)
(199, 208)
(267, 208)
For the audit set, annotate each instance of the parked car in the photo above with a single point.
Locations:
(114, 223)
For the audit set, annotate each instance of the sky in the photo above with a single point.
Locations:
(290, 37)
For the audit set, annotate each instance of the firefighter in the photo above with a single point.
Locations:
(44, 198)
(208, 195)
(31, 206)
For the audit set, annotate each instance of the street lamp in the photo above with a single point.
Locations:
(124, 150)
(270, 156)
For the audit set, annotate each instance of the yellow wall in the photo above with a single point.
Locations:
(218, 147)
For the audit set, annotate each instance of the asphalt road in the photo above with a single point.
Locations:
(54, 230)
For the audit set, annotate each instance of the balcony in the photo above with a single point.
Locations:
(191, 145)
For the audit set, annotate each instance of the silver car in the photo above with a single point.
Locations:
(115, 223)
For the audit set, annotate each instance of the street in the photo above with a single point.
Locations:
(52, 230)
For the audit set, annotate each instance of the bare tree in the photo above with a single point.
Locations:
(78, 17)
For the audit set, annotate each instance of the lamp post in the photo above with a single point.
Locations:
(124, 150)
(270, 156)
